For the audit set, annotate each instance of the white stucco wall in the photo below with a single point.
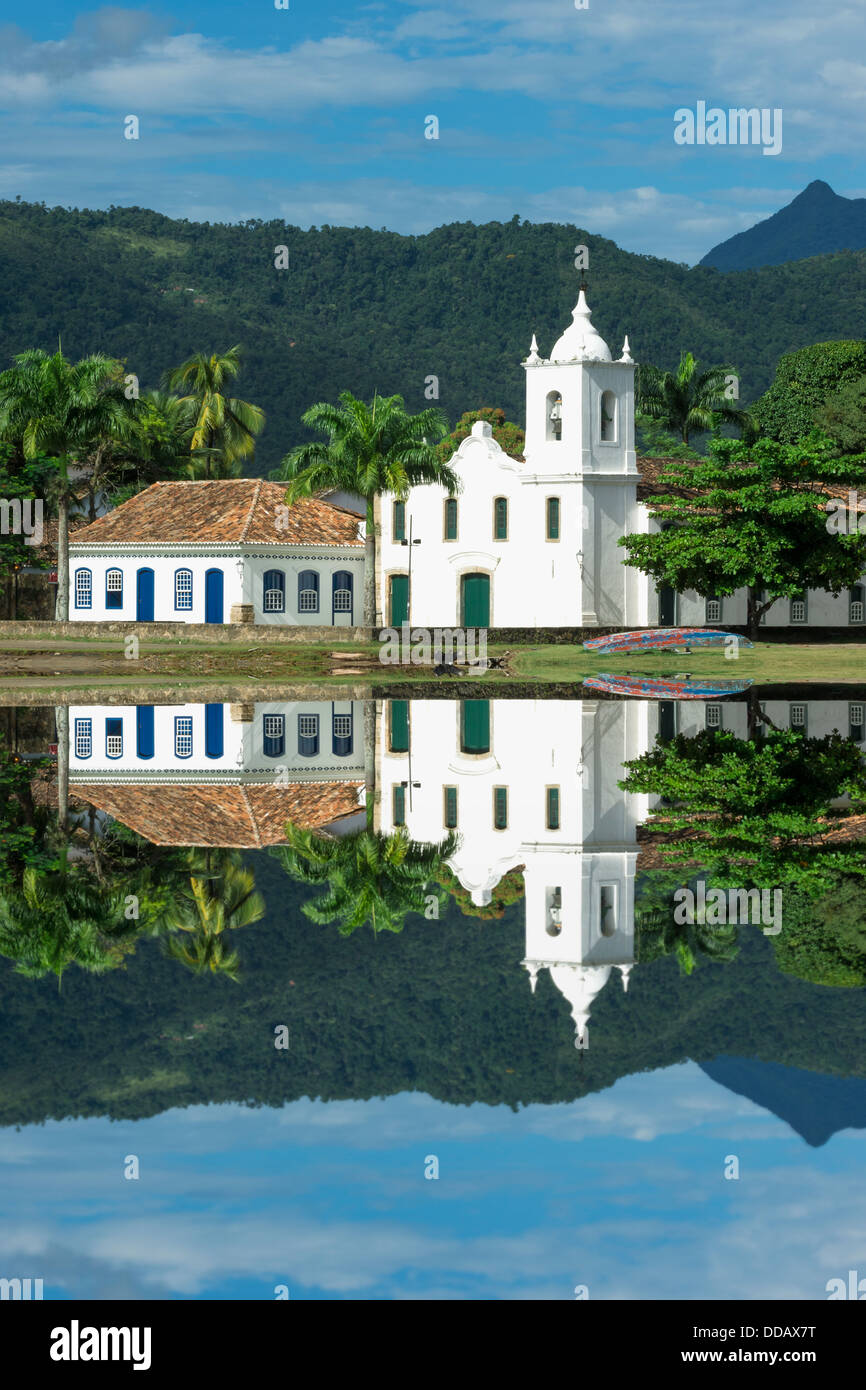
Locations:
(243, 753)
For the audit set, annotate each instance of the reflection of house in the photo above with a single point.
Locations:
(214, 552)
(219, 774)
(535, 543)
(531, 783)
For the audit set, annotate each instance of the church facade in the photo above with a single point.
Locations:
(534, 544)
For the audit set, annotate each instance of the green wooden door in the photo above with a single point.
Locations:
(475, 600)
(398, 604)
(475, 726)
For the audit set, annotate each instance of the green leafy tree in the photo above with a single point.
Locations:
(510, 437)
(753, 517)
(843, 417)
(53, 920)
(220, 423)
(21, 480)
(803, 383)
(824, 939)
(754, 808)
(25, 820)
(62, 410)
(687, 400)
(371, 877)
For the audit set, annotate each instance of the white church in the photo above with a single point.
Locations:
(534, 544)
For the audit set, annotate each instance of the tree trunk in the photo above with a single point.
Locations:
(369, 759)
(61, 715)
(370, 571)
(62, 610)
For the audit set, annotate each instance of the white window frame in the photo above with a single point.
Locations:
(83, 738)
(182, 735)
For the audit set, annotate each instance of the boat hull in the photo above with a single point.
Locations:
(663, 639)
(650, 688)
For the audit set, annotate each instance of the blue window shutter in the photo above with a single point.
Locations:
(144, 731)
(213, 731)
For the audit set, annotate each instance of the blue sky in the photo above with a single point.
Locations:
(316, 114)
(622, 1191)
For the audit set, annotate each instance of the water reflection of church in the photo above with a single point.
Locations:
(528, 784)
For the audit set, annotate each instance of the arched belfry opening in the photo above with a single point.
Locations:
(554, 416)
(608, 420)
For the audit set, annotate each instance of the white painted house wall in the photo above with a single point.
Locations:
(243, 575)
(243, 755)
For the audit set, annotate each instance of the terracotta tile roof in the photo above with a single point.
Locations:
(650, 484)
(226, 511)
(233, 817)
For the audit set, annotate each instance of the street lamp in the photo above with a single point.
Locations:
(410, 542)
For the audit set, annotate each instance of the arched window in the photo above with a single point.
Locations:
(608, 417)
(855, 604)
(450, 519)
(342, 591)
(183, 736)
(274, 584)
(83, 589)
(114, 589)
(114, 738)
(83, 738)
(183, 590)
(274, 735)
(500, 518)
(308, 735)
(341, 735)
(553, 413)
(308, 591)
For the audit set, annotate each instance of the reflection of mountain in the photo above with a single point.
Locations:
(814, 1105)
(443, 1009)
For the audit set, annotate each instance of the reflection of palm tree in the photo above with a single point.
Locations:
(202, 952)
(218, 895)
(371, 877)
(55, 919)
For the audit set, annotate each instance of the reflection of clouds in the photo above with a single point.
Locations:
(331, 1200)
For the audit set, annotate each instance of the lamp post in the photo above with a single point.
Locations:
(410, 542)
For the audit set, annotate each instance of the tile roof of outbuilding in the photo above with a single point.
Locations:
(227, 817)
(226, 511)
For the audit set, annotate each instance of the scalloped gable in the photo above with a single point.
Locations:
(224, 511)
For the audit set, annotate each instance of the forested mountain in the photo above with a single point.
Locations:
(361, 310)
(816, 1106)
(444, 1008)
(817, 222)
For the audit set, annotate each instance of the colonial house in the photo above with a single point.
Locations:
(215, 552)
(220, 775)
(533, 543)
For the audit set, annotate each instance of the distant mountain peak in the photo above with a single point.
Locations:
(815, 223)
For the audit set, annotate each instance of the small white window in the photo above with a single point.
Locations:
(342, 726)
(83, 589)
(183, 589)
(855, 715)
(342, 600)
(798, 716)
(308, 600)
(83, 738)
(114, 582)
(855, 611)
(308, 725)
(183, 736)
(114, 745)
(714, 610)
(273, 600)
(714, 716)
(274, 726)
(798, 610)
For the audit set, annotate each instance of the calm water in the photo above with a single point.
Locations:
(543, 1083)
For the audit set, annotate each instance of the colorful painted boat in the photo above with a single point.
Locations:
(660, 688)
(661, 639)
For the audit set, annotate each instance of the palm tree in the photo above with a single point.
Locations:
(202, 953)
(62, 409)
(219, 422)
(219, 895)
(371, 877)
(687, 400)
(370, 450)
(56, 919)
